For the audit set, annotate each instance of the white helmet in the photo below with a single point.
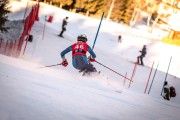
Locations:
(82, 38)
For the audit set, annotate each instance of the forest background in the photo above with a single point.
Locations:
(122, 9)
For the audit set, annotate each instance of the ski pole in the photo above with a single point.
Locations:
(50, 65)
(113, 70)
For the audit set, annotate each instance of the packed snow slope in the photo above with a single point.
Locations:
(32, 93)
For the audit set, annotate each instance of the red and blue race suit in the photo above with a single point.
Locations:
(79, 58)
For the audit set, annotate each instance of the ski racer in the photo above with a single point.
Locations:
(79, 58)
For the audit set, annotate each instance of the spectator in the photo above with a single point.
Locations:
(172, 91)
(64, 23)
(143, 54)
(166, 91)
(119, 39)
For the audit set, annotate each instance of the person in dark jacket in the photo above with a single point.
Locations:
(64, 23)
(119, 39)
(166, 91)
(143, 54)
(79, 59)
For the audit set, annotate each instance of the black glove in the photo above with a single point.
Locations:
(64, 63)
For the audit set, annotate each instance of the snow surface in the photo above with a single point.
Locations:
(61, 93)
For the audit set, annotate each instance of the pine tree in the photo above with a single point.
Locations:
(79, 4)
(3, 11)
(130, 6)
(118, 10)
(106, 7)
(94, 6)
(122, 9)
(65, 2)
(62, 2)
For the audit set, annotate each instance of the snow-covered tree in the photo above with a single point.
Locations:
(3, 14)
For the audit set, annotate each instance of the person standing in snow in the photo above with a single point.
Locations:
(79, 58)
(64, 23)
(143, 54)
(166, 91)
(119, 39)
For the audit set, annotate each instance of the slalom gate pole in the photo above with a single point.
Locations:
(124, 79)
(133, 73)
(27, 39)
(50, 65)
(153, 78)
(149, 77)
(44, 28)
(98, 30)
(129, 84)
(25, 45)
(166, 75)
(134, 70)
(112, 70)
